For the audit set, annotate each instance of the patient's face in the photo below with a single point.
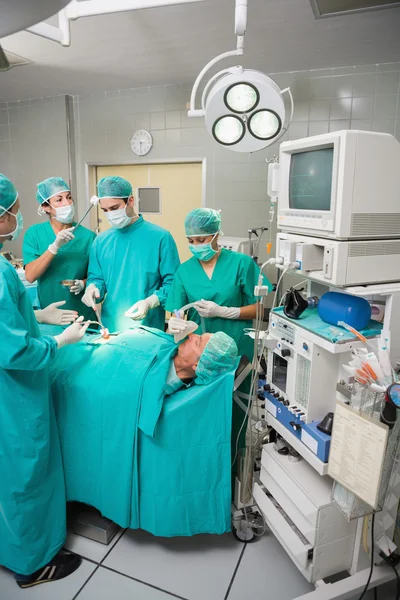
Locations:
(191, 350)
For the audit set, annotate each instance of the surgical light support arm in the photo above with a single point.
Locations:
(89, 8)
(240, 30)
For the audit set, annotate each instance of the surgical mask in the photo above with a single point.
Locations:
(65, 214)
(203, 252)
(118, 218)
(19, 227)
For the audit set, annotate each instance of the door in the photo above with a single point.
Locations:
(180, 191)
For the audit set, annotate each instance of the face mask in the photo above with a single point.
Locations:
(118, 218)
(65, 214)
(20, 225)
(203, 251)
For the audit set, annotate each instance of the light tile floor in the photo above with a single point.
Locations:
(138, 566)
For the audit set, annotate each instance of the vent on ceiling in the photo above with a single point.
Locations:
(332, 8)
(9, 59)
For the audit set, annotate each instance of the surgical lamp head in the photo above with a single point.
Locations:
(245, 110)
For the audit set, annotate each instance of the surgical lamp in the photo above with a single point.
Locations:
(244, 110)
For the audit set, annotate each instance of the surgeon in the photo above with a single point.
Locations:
(32, 494)
(55, 251)
(131, 265)
(219, 281)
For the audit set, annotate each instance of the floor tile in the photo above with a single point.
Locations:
(88, 548)
(266, 566)
(65, 589)
(106, 584)
(196, 568)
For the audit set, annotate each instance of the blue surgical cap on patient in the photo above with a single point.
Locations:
(8, 194)
(218, 357)
(202, 221)
(114, 187)
(50, 187)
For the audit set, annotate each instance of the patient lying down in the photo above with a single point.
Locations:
(203, 358)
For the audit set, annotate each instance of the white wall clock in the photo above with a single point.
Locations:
(141, 142)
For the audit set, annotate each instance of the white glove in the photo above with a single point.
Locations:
(63, 237)
(177, 325)
(73, 334)
(207, 308)
(52, 315)
(90, 295)
(139, 310)
(78, 287)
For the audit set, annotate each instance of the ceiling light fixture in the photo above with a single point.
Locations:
(243, 109)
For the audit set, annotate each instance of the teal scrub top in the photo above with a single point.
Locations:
(130, 264)
(71, 262)
(232, 284)
(32, 492)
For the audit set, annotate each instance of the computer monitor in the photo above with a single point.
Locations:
(341, 185)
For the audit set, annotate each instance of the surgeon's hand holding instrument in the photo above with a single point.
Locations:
(73, 334)
(94, 200)
(209, 309)
(139, 310)
(53, 315)
(90, 295)
(77, 287)
(63, 237)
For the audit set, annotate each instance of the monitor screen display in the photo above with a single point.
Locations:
(310, 180)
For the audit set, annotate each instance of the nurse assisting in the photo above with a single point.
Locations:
(220, 282)
(55, 251)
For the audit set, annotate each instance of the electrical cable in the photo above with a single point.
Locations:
(398, 580)
(372, 557)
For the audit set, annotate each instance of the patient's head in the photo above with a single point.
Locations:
(205, 357)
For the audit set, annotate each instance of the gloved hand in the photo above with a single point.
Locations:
(63, 237)
(177, 324)
(207, 309)
(73, 334)
(53, 315)
(90, 295)
(78, 287)
(139, 310)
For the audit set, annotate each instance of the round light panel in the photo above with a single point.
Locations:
(241, 97)
(228, 130)
(264, 124)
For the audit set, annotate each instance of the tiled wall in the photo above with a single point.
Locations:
(326, 100)
(33, 146)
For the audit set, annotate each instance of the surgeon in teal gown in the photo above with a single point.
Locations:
(132, 265)
(32, 494)
(221, 283)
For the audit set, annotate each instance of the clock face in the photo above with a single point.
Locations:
(141, 142)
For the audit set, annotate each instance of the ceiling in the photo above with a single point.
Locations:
(171, 45)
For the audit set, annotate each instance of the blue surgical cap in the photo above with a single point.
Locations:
(8, 194)
(218, 357)
(50, 187)
(114, 187)
(202, 221)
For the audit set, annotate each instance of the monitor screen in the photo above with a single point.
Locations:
(310, 180)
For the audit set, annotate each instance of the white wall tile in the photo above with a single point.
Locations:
(339, 125)
(364, 84)
(173, 119)
(318, 127)
(384, 125)
(340, 108)
(385, 106)
(319, 110)
(157, 120)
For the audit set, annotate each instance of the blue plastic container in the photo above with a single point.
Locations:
(354, 311)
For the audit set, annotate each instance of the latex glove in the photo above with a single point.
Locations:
(53, 315)
(73, 334)
(63, 237)
(207, 309)
(177, 324)
(90, 295)
(139, 310)
(78, 287)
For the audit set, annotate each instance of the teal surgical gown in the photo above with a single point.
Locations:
(232, 284)
(130, 264)
(71, 262)
(32, 494)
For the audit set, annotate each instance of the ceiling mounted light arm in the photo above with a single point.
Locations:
(60, 34)
(240, 30)
(75, 10)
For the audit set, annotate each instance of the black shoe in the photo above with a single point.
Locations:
(62, 565)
